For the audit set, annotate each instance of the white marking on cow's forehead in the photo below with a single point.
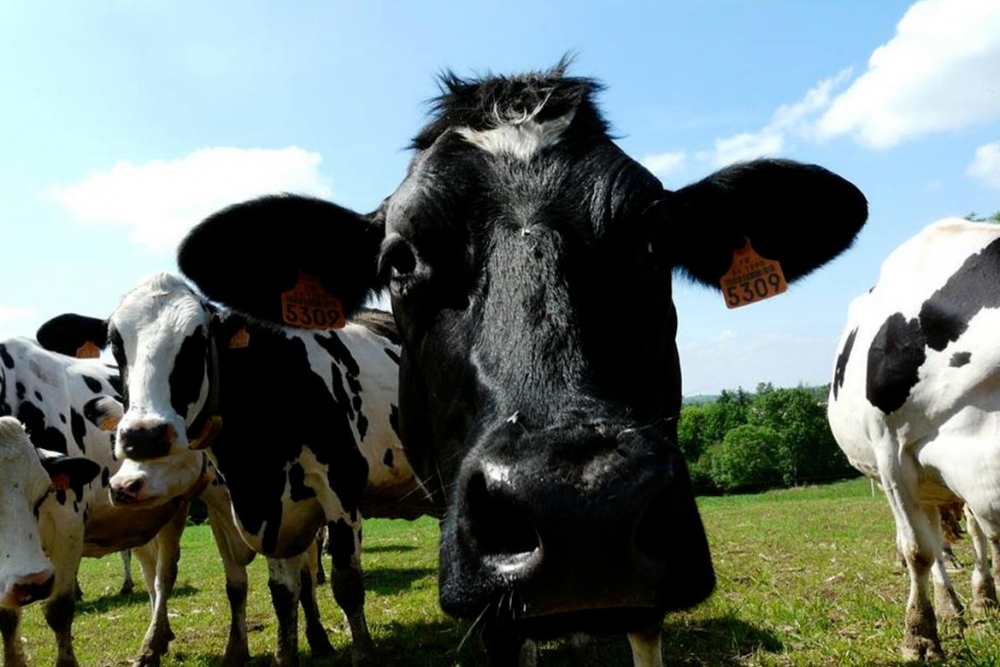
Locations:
(521, 136)
(164, 299)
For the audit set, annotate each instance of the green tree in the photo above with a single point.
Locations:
(975, 217)
(749, 459)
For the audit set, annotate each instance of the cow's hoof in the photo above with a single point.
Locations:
(982, 608)
(147, 660)
(285, 660)
(921, 648)
(369, 657)
(319, 642)
(236, 657)
(127, 589)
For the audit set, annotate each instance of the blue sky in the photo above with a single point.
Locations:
(125, 122)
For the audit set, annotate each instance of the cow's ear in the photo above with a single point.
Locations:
(797, 214)
(68, 472)
(74, 335)
(251, 256)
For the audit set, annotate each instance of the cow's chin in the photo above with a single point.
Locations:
(606, 621)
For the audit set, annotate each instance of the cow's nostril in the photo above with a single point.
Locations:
(497, 524)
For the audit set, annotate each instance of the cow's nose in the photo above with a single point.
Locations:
(126, 491)
(146, 442)
(33, 587)
(569, 521)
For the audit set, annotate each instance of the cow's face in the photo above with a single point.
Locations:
(537, 314)
(529, 262)
(159, 338)
(26, 573)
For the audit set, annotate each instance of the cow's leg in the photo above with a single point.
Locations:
(61, 604)
(646, 651)
(59, 610)
(158, 559)
(984, 593)
(128, 584)
(947, 606)
(285, 582)
(236, 555)
(10, 628)
(916, 539)
(344, 545)
(319, 642)
(320, 542)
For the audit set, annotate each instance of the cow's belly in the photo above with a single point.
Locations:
(109, 529)
(963, 456)
(298, 525)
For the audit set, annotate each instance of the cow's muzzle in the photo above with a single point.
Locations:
(574, 523)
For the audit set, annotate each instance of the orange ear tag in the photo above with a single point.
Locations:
(60, 481)
(109, 424)
(88, 351)
(309, 306)
(751, 278)
(240, 339)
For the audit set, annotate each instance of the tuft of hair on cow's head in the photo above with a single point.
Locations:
(530, 261)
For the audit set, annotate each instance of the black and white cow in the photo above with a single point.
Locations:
(915, 403)
(28, 530)
(517, 247)
(304, 427)
(66, 404)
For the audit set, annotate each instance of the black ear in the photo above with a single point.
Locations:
(246, 256)
(68, 471)
(798, 214)
(74, 335)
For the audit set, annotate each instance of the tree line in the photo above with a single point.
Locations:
(773, 438)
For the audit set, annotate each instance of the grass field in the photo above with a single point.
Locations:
(805, 577)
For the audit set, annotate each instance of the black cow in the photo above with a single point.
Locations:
(530, 264)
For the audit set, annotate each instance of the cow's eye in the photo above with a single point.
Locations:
(398, 258)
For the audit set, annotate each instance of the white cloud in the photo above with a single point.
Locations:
(794, 120)
(985, 165)
(665, 164)
(16, 313)
(160, 200)
(940, 72)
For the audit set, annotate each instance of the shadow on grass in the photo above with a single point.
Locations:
(725, 640)
(117, 600)
(721, 642)
(387, 548)
(390, 581)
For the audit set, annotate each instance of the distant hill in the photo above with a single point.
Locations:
(699, 398)
(821, 392)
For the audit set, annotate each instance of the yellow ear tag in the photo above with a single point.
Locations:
(109, 424)
(751, 278)
(240, 339)
(88, 351)
(309, 306)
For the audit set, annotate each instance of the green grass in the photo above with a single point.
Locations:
(805, 577)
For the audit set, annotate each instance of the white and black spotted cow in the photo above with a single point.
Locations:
(530, 264)
(66, 404)
(307, 435)
(29, 480)
(915, 403)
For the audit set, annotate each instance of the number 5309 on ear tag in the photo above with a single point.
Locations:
(309, 306)
(751, 278)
